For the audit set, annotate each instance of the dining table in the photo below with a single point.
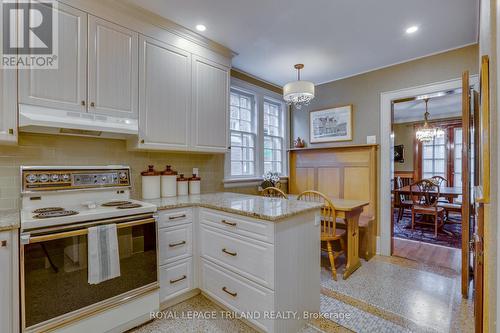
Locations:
(349, 211)
(444, 191)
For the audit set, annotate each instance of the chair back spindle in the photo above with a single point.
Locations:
(328, 213)
(274, 192)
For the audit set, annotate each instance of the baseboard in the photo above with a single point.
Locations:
(179, 299)
(378, 245)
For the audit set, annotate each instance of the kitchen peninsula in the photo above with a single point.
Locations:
(245, 252)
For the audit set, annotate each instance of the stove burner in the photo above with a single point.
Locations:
(116, 203)
(47, 210)
(57, 213)
(130, 205)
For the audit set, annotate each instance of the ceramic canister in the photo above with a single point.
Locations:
(182, 185)
(150, 183)
(168, 182)
(194, 184)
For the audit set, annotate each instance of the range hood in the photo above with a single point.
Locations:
(37, 119)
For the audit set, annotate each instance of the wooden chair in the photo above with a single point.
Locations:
(274, 192)
(425, 194)
(329, 231)
(402, 201)
(440, 181)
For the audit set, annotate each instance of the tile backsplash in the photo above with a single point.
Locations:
(41, 149)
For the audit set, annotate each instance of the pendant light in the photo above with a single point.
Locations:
(428, 132)
(298, 93)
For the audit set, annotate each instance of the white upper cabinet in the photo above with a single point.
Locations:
(164, 95)
(8, 101)
(66, 87)
(112, 69)
(210, 105)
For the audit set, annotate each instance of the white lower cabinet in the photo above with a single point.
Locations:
(176, 278)
(9, 282)
(238, 294)
(175, 244)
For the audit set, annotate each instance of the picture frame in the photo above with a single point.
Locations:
(331, 125)
(399, 154)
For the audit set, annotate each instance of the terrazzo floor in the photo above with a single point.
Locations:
(386, 294)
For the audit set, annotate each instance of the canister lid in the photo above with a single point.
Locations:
(181, 178)
(194, 178)
(150, 171)
(168, 171)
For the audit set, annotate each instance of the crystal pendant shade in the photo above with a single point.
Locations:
(299, 93)
(428, 132)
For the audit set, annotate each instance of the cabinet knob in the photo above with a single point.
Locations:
(92, 104)
(3, 243)
(142, 141)
(11, 131)
(83, 103)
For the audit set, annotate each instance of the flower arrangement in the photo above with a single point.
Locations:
(271, 179)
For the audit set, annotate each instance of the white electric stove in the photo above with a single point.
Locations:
(58, 206)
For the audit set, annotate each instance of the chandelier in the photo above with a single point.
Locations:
(298, 93)
(428, 132)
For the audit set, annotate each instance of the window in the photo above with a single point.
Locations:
(273, 137)
(434, 158)
(243, 134)
(258, 133)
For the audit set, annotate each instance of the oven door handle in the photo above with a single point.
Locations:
(81, 232)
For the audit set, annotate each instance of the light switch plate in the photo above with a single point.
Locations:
(371, 139)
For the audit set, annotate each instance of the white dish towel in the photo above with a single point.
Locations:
(103, 253)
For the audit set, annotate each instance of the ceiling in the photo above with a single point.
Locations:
(333, 38)
(439, 108)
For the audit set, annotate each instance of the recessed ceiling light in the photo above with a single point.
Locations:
(412, 29)
(201, 27)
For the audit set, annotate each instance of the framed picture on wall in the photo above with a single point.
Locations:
(328, 125)
(399, 153)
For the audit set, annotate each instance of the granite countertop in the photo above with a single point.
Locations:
(271, 209)
(9, 219)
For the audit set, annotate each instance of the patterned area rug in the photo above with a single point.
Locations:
(425, 233)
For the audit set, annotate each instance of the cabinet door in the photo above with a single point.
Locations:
(8, 100)
(113, 77)
(210, 106)
(65, 87)
(164, 95)
(9, 287)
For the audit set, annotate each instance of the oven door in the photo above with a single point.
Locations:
(54, 287)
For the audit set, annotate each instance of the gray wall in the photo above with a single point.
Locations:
(363, 91)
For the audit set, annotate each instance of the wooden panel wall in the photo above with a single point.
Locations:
(348, 172)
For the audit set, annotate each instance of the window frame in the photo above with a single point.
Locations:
(260, 95)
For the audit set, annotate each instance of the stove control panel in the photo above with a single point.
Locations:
(45, 179)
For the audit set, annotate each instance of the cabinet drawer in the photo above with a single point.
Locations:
(248, 257)
(171, 217)
(249, 227)
(176, 279)
(237, 293)
(175, 243)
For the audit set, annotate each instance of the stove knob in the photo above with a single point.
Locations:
(44, 178)
(104, 179)
(54, 177)
(65, 177)
(123, 175)
(31, 178)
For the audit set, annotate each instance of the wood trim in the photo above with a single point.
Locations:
(335, 147)
(238, 74)
(484, 130)
(466, 115)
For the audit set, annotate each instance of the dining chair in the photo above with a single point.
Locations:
(402, 201)
(329, 231)
(441, 181)
(274, 192)
(425, 194)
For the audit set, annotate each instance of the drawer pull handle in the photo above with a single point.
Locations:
(3, 243)
(177, 244)
(228, 292)
(232, 224)
(177, 217)
(230, 253)
(179, 279)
